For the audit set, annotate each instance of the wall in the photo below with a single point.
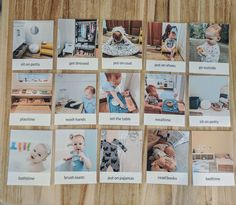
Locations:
(19, 85)
(207, 87)
(218, 142)
(45, 32)
(63, 36)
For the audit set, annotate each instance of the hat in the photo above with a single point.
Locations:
(119, 29)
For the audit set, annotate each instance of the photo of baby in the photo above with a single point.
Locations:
(119, 148)
(209, 42)
(167, 151)
(81, 41)
(166, 41)
(212, 155)
(209, 98)
(31, 96)
(75, 93)
(122, 39)
(32, 39)
(30, 152)
(119, 93)
(79, 151)
(164, 94)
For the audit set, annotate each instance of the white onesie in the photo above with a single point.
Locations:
(211, 53)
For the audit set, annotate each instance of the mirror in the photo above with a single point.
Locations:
(34, 30)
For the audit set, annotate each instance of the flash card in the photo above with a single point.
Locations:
(30, 157)
(209, 48)
(121, 156)
(166, 47)
(164, 97)
(31, 99)
(119, 100)
(77, 44)
(75, 99)
(167, 157)
(212, 158)
(76, 156)
(32, 45)
(122, 44)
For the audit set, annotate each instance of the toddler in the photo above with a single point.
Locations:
(170, 43)
(79, 159)
(37, 156)
(210, 50)
(89, 100)
(119, 44)
(152, 99)
(116, 100)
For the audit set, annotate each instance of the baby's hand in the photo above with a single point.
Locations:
(200, 50)
(66, 159)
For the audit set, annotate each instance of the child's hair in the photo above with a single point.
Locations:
(149, 88)
(76, 135)
(174, 30)
(216, 28)
(47, 148)
(91, 88)
(108, 75)
(117, 36)
(167, 31)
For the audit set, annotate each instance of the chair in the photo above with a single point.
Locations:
(69, 48)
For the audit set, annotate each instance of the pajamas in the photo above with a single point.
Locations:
(211, 53)
(110, 155)
(152, 100)
(169, 43)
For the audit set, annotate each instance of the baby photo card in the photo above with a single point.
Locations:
(30, 157)
(75, 99)
(31, 99)
(32, 45)
(77, 45)
(122, 44)
(167, 157)
(212, 158)
(209, 48)
(121, 156)
(164, 99)
(209, 101)
(76, 156)
(119, 99)
(166, 47)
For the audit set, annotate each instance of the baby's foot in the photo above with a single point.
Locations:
(172, 59)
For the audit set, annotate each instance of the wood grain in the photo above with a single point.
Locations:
(117, 194)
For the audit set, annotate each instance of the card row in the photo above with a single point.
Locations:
(75, 99)
(120, 158)
(122, 47)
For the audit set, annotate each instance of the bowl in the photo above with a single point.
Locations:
(169, 103)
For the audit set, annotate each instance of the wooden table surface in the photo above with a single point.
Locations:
(220, 11)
